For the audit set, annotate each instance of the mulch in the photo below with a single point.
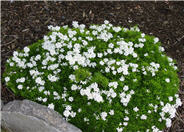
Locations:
(23, 23)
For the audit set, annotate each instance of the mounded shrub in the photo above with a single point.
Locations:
(103, 78)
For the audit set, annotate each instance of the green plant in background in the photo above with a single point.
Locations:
(104, 78)
(81, 74)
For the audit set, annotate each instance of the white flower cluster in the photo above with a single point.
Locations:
(171, 63)
(155, 129)
(113, 84)
(68, 112)
(170, 109)
(122, 66)
(39, 81)
(21, 80)
(125, 98)
(110, 94)
(57, 28)
(95, 94)
(143, 117)
(125, 49)
(103, 115)
(51, 106)
(153, 68)
(52, 78)
(104, 35)
(20, 62)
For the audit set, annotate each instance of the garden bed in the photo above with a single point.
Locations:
(23, 23)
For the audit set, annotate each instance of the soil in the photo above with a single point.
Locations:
(23, 23)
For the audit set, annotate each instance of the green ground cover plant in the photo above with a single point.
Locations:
(103, 78)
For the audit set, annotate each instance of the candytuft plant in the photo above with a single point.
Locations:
(104, 78)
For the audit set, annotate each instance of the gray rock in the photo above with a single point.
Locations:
(18, 122)
(28, 116)
(2, 104)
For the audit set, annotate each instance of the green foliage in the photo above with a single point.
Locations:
(81, 74)
(104, 78)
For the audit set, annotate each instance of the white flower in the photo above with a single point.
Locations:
(20, 87)
(44, 99)
(170, 59)
(79, 110)
(113, 94)
(22, 80)
(82, 26)
(102, 63)
(126, 118)
(170, 98)
(135, 109)
(125, 88)
(125, 123)
(156, 40)
(72, 77)
(66, 113)
(74, 87)
(113, 84)
(51, 106)
(11, 64)
(155, 129)
(26, 49)
(111, 112)
(68, 107)
(94, 32)
(73, 114)
(7, 79)
(75, 24)
(168, 122)
(114, 72)
(99, 55)
(52, 78)
(126, 111)
(167, 80)
(46, 92)
(143, 117)
(57, 28)
(119, 129)
(106, 22)
(122, 78)
(132, 92)
(39, 98)
(70, 99)
(178, 102)
(39, 81)
(116, 29)
(86, 119)
(125, 98)
(161, 49)
(55, 93)
(142, 35)
(134, 55)
(41, 89)
(97, 97)
(111, 45)
(107, 69)
(149, 111)
(53, 66)
(146, 54)
(176, 95)
(103, 115)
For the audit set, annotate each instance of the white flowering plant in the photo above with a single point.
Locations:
(103, 78)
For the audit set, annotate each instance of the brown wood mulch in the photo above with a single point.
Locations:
(23, 23)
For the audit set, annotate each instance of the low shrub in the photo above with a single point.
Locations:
(104, 78)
